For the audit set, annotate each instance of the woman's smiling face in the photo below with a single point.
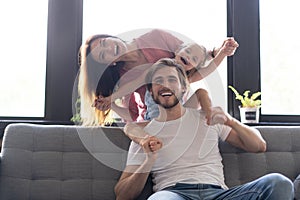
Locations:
(107, 50)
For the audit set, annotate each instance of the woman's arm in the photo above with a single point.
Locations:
(104, 103)
(131, 86)
(122, 112)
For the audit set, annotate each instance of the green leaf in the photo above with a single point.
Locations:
(245, 100)
(255, 95)
(246, 93)
(237, 95)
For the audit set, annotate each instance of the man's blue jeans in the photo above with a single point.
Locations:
(270, 187)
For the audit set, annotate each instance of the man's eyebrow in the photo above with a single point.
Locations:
(161, 77)
(157, 77)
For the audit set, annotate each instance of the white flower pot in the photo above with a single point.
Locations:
(249, 115)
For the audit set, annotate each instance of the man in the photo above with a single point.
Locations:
(189, 166)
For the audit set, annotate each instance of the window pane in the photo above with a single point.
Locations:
(23, 40)
(279, 46)
(200, 21)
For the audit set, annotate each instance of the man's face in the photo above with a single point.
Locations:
(166, 87)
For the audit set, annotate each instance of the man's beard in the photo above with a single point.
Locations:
(165, 105)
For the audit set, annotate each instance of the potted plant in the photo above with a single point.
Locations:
(249, 108)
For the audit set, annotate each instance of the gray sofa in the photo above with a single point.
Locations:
(51, 162)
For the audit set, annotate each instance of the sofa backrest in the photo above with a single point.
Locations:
(69, 162)
(282, 156)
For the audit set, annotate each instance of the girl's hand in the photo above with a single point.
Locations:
(102, 103)
(229, 47)
(151, 143)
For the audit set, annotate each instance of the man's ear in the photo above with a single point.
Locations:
(150, 91)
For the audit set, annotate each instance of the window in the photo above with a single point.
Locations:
(23, 39)
(264, 60)
(279, 52)
(200, 21)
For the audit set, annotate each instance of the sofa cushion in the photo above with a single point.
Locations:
(297, 187)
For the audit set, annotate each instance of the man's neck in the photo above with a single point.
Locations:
(170, 113)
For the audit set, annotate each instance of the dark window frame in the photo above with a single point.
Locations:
(244, 66)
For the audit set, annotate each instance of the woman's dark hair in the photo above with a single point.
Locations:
(108, 80)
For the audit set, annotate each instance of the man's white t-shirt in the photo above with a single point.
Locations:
(190, 152)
